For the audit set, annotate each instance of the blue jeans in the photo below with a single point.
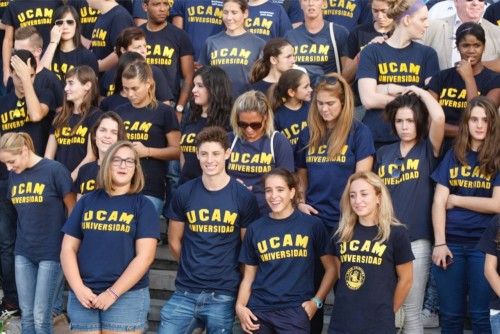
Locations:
(495, 323)
(464, 277)
(8, 218)
(36, 285)
(184, 311)
(431, 299)
(157, 202)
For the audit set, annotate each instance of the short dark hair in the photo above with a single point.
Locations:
(24, 55)
(420, 113)
(214, 134)
(470, 28)
(126, 37)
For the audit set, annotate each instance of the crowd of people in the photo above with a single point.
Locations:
(295, 147)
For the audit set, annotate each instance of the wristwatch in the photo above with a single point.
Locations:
(318, 302)
(179, 108)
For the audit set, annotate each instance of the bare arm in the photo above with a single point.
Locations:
(303, 206)
(175, 235)
(69, 202)
(494, 96)
(187, 69)
(171, 152)
(489, 205)
(89, 157)
(364, 165)
(69, 263)
(371, 98)
(178, 21)
(55, 38)
(244, 314)
(325, 286)
(440, 252)
(405, 279)
(491, 274)
(108, 63)
(7, 45)
(51, 148)
(349, 67)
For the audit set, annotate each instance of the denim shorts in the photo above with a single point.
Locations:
(128, 314)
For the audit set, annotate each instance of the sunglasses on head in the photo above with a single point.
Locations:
(69, 22)
(253, 125)
(326, 79)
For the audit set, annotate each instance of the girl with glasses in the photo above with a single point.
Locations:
(373, 253)
(109, 243)
(151, 127)
(65, 50)
(40, 190)
(256, 147)
(467, 196)
(405, 167)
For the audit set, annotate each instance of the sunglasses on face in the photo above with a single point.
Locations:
(253, 125)
(69, 22)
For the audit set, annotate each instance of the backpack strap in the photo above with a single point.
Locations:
(272, 144)
(335, 49)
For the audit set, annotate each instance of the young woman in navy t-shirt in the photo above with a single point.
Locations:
(69, 138)
(40, 190)
(374, 255)
(210, 105)
(405, 167)
(107, 130)
(277, 291)
(290, 103)
(65, 49)
(277, 57)
(466, 197)
(151, 127)
(109, 243)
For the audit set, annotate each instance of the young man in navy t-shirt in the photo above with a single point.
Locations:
(208, 218)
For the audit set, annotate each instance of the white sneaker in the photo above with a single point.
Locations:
(429, 319)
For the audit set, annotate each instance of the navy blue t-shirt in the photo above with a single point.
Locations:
(37, 194)
(452, 95)
(65, 61)
(364, 298)
(35, 13)
(110, 103)
(14, 118)
(349, 13)
(86, 180)
(165, 49)
(284, 250)
(492, 13)
(489, 244)
(88, 16)
(150, 127)
(291, 122)
(315, 52)
(464, 225)
(408, 179)
(72, 142)
(211, 240)
(268, 20)
(106, 30)
(235, 55)
(261, 86)
(293, 10)
(327, 178)
(162, 88)
(191, 168)
(407, 66)
(359, 37)
(108, 227)
(201, 19)
(250, 160)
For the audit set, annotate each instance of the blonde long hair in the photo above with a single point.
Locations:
(317, 125)
(385, 214)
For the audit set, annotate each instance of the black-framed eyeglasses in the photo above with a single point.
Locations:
(326, 79)
(117, 162)
(69, 22)
(253, 125)
(396, 171)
